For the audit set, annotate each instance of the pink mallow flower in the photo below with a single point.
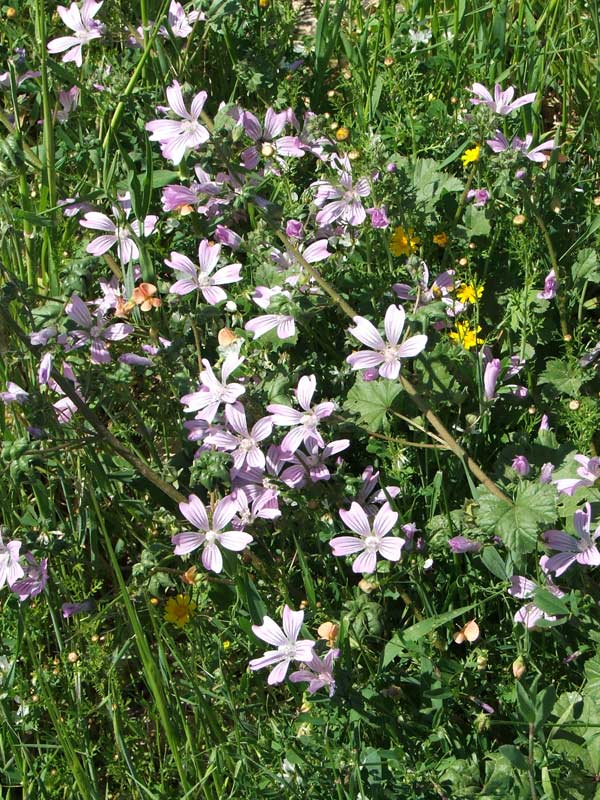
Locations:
(502, 102)
(523, 588)
(372, 537)
(311, 465)
(387, 354)
(10, 569)
(180, 23)
(34, 580)
(95, 330)
(318, 672)
(118, 233)
(341, 201)
(289, 647)
(588, 472)
(538, 154)
(14, 394)
(200, 278)
(212, 535)
(242, 443)
(580, 548)
(304, 423)
(177, 136)
(84, 27)
(213, 392)
(550, 285)
(422, 294)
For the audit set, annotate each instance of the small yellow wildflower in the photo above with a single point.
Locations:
(179, 610)
(469, 293)
(469, 156)
(441, 239)
(466, 335)
(342, 133)
(226, 644)
(403, 243)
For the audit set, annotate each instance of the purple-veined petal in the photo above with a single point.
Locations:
(187, 542)
(278, 673)
(364, 359)
(385, 520)
(365, 562)
(224, 512)
(270, 632)
(98, 222)
(367, 333)
(356, 519)
(391, 548)
(521, 587)
(394, 323)
(235, 540)
(270, 657)
(292, 622)
(305, 390)
(212, 559)
(195, 512)
(346, 545)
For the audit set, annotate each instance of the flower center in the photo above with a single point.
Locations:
(267, 150)
(309, 420)
(372, 543)
(288, 650)
(390, 353)
(95, 331)
(190, 126)
(246, 445)
(211, 537)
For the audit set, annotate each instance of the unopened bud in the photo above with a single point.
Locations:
(519, 668)
(11, 12)
(388, 61)
(574, 405)
(267, 150)
(519, 219)
(72, 657)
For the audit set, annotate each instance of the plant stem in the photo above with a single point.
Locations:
(408, 387)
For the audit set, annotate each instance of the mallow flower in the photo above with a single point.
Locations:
(288, 647)
(10, 569)
(212, 391)
(212, 534)
(96, 330)
(318, 673)
(580, 548)
(372, 537)
(84, 27)
(34, 580)
(201, 278)
(386, 354)
(119, 233)
(523, 588)
(502, 102)
(588, 472)
(304, 422)
(186, 133)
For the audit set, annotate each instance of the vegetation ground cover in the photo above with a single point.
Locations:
(299, 335)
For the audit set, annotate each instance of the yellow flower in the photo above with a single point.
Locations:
(179, 610)
(466, 335)
(226, 644)
(403, 243)
(469, 293)
(469, 156)
(441, 239)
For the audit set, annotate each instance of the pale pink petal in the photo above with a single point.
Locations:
(187, 542)
(270, 632)
(270, 657)
(175, 100)
(235, 540)
(367, 333)
(385, 520)
(364, 359)
(212, 559)
(391, 548)
(292, 622)
(394, 323)
(97, 222)
(346, 545)
(305, 390)
(198, 103)
(356, 519)
(195, 512)
(366, 562)
(390, 370)
(413, 346)
(224, 512)
(277, 675)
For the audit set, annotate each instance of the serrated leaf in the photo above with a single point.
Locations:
(518, 525)
(565, 377)
(592, 673)
(371, 400)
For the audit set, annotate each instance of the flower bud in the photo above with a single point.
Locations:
(521, 466)
(519, 219)
(519, 668)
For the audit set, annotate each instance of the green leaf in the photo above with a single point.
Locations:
(371, 400)
(426, 626)
(476, 222)
(565, 377)
(518, 525)
(586, 267)
(525, 703)
(544, 703)
(592, 673)
(514, 756)
(495, 563)
(549, 603)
